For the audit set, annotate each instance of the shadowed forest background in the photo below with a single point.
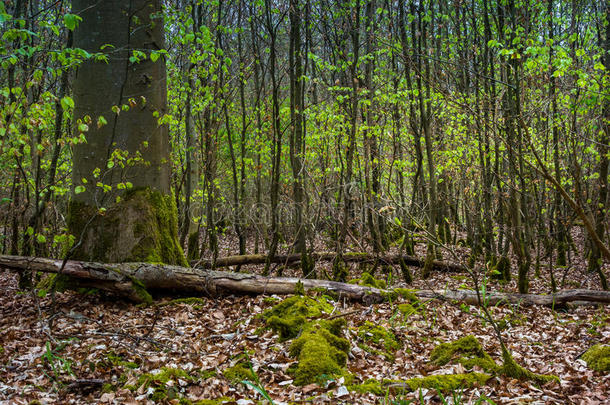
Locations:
(436, 145)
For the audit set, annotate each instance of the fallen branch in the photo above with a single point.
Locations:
(240, 260)
(128, 279)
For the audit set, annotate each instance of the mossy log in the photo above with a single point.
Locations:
(129, 279)
(360, 257)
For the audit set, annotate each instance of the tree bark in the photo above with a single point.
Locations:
(121, 207)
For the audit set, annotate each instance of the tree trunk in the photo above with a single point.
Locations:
(121, 208)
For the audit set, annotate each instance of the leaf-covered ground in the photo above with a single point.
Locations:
(75, 348)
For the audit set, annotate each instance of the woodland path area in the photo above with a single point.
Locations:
(67, 347)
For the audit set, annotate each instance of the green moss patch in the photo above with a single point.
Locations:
(321, 352)
(319, 347)
(406, 309)
(195, 301)
(368, 280)
(163, 390)
(511, 369)
(142, 227)
(404, 293)
(239, 372)
(117, 360)
(289, 317)
(448, 382)
(369, 386)
(469, 352)
(383, 340)
(444, 383)
(598, 358)
(217, 401)
(466, 351)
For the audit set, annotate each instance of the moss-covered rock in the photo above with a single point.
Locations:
(598, 358)
(141, 227)
(466, 351)
(288, 318)
(384, 340)
(321, 352)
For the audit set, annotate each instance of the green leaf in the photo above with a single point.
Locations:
(71, 21)
(101, 121)
(67, 103)
(79, 189)
(40, 238)
(154, 56)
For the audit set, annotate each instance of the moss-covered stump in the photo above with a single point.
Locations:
(288, 318)
(598, 358)
(377, 340)
(141, 227)
(321, 352)
(466, 351)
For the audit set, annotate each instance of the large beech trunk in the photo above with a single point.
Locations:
(126, 279)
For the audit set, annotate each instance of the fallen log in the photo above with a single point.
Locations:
(131, 280)
(495, 298)
(350, 257)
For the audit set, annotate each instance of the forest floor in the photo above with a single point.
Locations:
(75, 348)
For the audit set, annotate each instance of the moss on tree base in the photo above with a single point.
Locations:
(141, 227)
